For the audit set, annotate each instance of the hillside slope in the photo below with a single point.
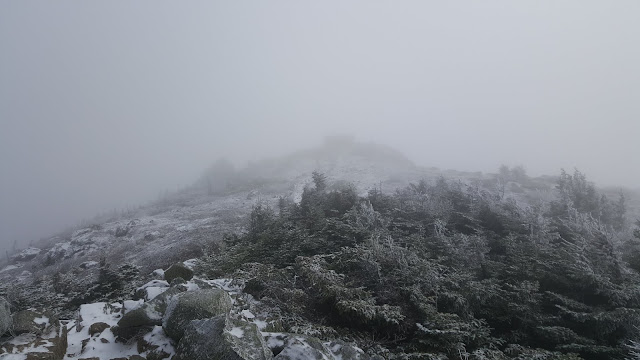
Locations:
(352, 242)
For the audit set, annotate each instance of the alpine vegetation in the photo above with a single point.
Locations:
(367, 257)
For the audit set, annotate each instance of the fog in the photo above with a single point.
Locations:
(104, 105)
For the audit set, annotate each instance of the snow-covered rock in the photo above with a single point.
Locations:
(50, 345)
(32, 321)
(26, 254)
(91, 336)
(145, 316)
(151, 289)
(178, 270)
(221, 337)
(89, 264)
(206, 321)
(59, 251)
(303, 347)
(194, 305)
(299, 347)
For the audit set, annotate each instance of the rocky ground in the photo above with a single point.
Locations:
(99, 292)
(54, 291)
(159, 324)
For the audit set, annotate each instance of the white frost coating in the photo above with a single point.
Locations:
(25, 339)
(105, 347)
(34, 347)
(191, 263)
(152, 313)
(336, 347)
(31, 251)
(237, 332)
(130, 305)
(42, 321)
(26, 253)
(171, 305)
(226, 285)
(261, 324)
(158, 272)
(95, 347)
(247, 314)
(154, 291)
(299, 350)
(80, 232)
(97, 312)
(191, 286)
(14, 357)
(42, 347)
(154, 283)
(22, 339)
(158, 338)
(185, 228)
(273, 342)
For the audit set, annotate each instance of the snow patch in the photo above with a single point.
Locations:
(159, 273)
(261, 324)
(225, 284)
(247, 314)
(191, 263)
(130, 305)
(153, 291)
(158, 338)
(237, 332)
(42, 321)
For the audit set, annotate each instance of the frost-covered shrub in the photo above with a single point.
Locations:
(438, 270)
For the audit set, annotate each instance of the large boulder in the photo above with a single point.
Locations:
(222, 338)
(145, 317)
(150, 290)
(26, 254)
(299, 347)
(178, 270)
(302, 347)
(32, 321)
(5, 316)
(246, 340)
(195, 305)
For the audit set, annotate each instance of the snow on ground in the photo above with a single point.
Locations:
(247, 314)
(25, 339)
(13, 357)
(26, 254)
(42, 321)
(191, 263)
(103, 346)
(79, 331)
(154, 283)
(227, 285)
(237, 332)
(158, 338)
(19, 346)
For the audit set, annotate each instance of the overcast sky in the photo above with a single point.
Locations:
(106, 104)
